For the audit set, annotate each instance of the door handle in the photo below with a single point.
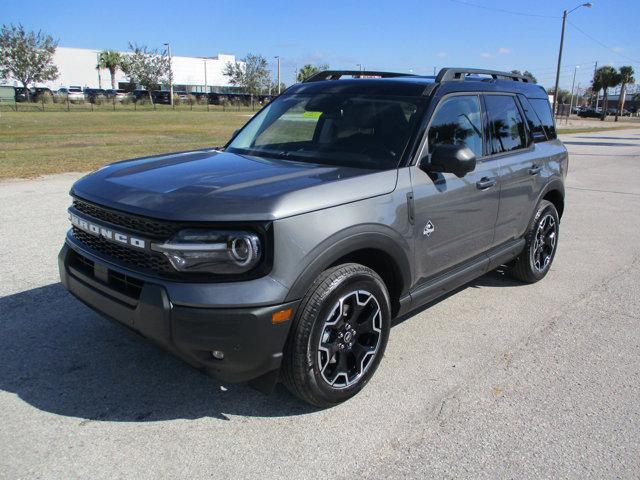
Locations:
(536, 169)
(486, 182)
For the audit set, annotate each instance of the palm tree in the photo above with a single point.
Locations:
(309, 70)
(626, 77)
(112, 61)
(606, 77)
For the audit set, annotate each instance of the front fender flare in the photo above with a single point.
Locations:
(348, 241)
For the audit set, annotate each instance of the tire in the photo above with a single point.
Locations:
(534, 262)
(338, 337)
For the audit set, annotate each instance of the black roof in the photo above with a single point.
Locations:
(448, 80)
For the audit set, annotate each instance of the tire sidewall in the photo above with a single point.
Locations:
(359, 281)
(544, 208)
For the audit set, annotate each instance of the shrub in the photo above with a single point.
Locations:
(60, 98)
(45, 97)
(176, 99)
(97, 99)
(192, 100)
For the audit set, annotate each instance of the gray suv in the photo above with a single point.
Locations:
(349, 200)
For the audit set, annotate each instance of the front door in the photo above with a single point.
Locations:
(455, 217)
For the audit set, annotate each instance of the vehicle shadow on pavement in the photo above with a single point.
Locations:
(495, 278)
(61, 357)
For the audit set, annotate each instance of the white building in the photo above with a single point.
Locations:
(77, 66)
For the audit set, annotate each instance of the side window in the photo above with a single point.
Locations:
(543, 109)
(535, 125)
(506, 126)
(457, 122)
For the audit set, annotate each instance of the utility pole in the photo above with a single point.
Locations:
(564, 24)
(595, 69)
(573, 84)
(278, 58)
(170, 73)
(555, 90)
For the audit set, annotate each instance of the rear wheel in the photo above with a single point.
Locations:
(339, 336)
(535, 260)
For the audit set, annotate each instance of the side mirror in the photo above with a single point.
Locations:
(456, 159)
(538, 137)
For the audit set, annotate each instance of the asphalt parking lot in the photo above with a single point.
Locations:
(497, 380)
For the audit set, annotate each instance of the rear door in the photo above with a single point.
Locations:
(508, 140)
(455, 217)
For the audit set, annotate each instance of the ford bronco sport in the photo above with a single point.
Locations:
(344, 203)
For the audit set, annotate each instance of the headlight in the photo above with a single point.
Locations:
(212, 251)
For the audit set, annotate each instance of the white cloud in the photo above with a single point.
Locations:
(487, 55)
(618, 49)
(504, 50)
(441, 55)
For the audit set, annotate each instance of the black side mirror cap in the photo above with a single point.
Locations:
(456, 159)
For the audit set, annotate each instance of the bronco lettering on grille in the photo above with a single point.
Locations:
(106, 233)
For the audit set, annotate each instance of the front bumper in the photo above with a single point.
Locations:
(251, 343)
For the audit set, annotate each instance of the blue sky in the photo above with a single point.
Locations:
(390, 35)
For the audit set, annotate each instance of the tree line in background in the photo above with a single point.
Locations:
(608, 77)
(28, 58)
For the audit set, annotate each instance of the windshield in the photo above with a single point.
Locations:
(338, 129)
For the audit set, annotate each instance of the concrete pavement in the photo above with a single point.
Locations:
(496, 380)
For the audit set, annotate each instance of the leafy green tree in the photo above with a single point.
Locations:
(146, 67)
(26, 56)
(309, 70)
(251, 74)
(526, 74)
(605, 77)
(626, 77)
(111, 61)
(563, 95)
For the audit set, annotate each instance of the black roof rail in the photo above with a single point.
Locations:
(336, 74)
(458, 74)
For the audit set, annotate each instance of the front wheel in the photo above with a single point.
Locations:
(535, 260)
(339, 335)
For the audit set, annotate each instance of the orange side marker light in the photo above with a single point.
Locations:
(281, 316)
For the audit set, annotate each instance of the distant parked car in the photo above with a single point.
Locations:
(162, 97)
(37, 91)
(73, 93)
(22, 94)
(93, 94)
(590, 113)
(119, 94)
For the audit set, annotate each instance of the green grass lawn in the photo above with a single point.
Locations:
(38, 143)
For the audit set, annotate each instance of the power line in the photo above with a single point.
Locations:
(501, 10)
(602, 44)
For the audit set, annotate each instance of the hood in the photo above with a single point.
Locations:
(208, 185)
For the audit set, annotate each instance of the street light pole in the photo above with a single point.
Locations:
(278, 58)
(564, 24)
(170, 73)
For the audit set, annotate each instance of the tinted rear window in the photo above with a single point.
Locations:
(543, 109)
(535, 125)
(506, 125)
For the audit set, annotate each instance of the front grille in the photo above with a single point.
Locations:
(143, 260)
(142, 225)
